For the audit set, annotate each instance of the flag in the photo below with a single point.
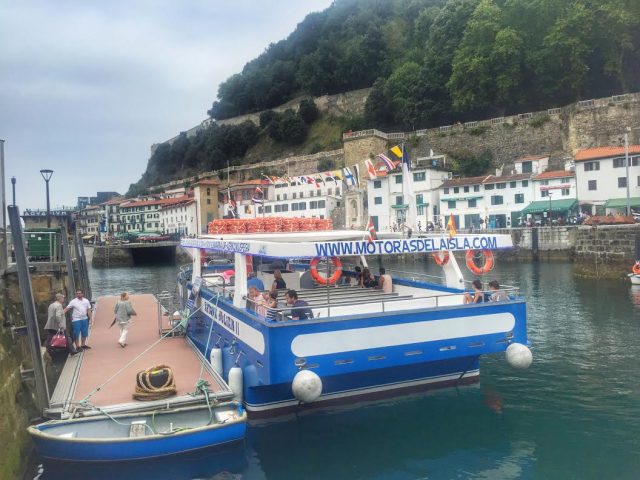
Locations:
(313, 181)
(337, 175)
(397, 151)
(408, 191)
(348, 176)
(319, 177)
(356, 174)
(388, 163)
(329, 176)
(268, 178)
(405, 158)
(451, 226)
(232, 207)
(258, 196)
(370, 169)
(302, 180)
(372, 231)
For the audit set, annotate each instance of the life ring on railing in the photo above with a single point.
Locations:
(313, 268)
(487, 265)
(441, 261)
(636, 268)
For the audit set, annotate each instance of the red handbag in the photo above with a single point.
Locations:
(59, 340)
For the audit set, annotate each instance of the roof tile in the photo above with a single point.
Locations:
(603, 152)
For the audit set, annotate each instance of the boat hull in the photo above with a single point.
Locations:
(635, 279)
(95, 439)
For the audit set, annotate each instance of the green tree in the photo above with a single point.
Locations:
(308, 111)
(400, 89)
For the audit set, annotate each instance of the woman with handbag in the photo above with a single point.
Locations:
(124, 311)
(56, 326)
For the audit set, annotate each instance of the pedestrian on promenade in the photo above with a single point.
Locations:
(57, 322)
(80, 316)
(124, 311)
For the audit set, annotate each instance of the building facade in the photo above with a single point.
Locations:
(179, 218)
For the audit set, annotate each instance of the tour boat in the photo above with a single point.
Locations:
(361, 344)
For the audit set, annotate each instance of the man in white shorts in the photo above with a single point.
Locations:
(80, 315)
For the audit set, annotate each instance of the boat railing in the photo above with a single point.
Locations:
(386, 302)
(415, 276)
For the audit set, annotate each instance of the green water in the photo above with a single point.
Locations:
(575, 414)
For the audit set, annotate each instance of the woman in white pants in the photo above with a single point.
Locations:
(124, 311)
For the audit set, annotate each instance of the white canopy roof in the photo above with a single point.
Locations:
(341, 243)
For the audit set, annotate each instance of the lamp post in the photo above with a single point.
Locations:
(549, 193)
(626, 165)
(13, 189)
(46, 174)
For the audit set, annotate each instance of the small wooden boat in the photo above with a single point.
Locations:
(635, 279)
(136, 436)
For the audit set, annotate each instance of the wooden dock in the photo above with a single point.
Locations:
(84, 372)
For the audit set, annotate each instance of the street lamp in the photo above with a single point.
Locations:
(46, 174)
(549, 193)
(13, 189)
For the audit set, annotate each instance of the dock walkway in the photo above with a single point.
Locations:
(83, 373)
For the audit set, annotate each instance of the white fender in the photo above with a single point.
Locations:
(519, 356)
(215, 359)
(306, 386)
(235, 382)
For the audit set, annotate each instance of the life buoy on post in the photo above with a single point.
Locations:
(313, 268)
(636, 268)
(441, 258)
(486, 267)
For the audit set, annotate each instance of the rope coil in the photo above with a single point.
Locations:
(147, 387)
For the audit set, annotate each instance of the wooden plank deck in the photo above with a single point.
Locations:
(106, 357)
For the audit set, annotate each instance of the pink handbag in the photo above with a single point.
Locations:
(59, 340)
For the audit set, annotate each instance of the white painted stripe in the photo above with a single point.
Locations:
(366, 391)
(342, 341)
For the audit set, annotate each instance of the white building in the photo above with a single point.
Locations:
(387, 203)
(534, 164)
(554, 196)
(180, 217)
(601, 179)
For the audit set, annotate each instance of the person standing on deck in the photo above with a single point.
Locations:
(80, 317)
(385, 283)
(124, 311)
(278, 281)
(56, 321)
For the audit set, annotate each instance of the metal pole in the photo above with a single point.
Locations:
(13, 189)
(4, 261)
(549, 193)
(67, 257)
(83, 263)
(626, 164)
(42, 389)
(48, 206)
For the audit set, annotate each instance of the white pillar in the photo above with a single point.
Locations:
(240, 267)
(452, 273)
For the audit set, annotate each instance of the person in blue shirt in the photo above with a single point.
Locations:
(255, 282)
(300, 310)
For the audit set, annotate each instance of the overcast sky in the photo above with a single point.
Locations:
(87, 87)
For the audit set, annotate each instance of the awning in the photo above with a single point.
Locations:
(622, 202)
(555, 205)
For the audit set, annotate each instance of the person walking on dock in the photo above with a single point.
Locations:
(57, 322)
(80, 315)
(124, 311)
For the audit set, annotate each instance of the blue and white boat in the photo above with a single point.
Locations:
(138, 436)
(361, 344)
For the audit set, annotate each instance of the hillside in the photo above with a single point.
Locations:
(430, 62)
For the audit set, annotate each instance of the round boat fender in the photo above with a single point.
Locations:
(215, 359)
(235, 382)
(441, 258)
(636, 268)
(519, 356)
(486, 267)
(306, 386)
(313, 268)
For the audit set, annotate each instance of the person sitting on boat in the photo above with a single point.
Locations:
(254, 299)
(300, 310)
(270, 304)
(384, 281)
(368, 281)
(254, 281)
(344, 280)
(278, 281)
(497, 295)
(357, 280)
(477, 296)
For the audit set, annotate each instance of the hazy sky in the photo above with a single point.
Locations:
(87, 87)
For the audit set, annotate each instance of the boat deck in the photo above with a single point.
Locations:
(84, 372)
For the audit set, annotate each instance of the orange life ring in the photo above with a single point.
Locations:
(486, 267)
(441, 260)
(636, 268)
(313, 268)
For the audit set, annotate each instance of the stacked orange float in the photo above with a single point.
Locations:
(236, 226)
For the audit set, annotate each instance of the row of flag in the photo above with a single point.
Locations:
(343, 175)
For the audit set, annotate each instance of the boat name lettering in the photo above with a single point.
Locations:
(416, 245)
(225, 246)
(222, 318)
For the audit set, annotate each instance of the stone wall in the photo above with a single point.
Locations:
(17, 396)
(607, 252)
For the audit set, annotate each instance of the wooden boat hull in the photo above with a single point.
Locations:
(113, 438)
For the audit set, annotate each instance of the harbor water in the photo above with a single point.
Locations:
(575, 414)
